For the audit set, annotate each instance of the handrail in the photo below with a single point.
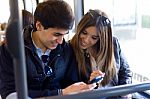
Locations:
(145, 94)
(108, 92)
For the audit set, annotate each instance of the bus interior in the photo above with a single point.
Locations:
(130, 20)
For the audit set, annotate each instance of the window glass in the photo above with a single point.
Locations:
(4, 16)
(131, 24)
(30, 5)
(71, 32)
(4, 13)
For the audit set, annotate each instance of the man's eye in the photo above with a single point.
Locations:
(57, 34)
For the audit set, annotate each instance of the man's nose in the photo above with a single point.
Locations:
(60, 39)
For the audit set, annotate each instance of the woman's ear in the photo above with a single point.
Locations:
(39, 26)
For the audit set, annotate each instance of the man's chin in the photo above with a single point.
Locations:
(53, 47)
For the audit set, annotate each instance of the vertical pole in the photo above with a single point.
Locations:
(16, 47)
(78, 10)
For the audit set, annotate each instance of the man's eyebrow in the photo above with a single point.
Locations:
(58, 33)
(67, 32)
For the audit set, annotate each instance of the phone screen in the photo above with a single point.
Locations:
(97, 79)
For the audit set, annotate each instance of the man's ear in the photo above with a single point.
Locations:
(39, 26)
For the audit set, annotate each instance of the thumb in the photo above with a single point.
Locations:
(92, 86)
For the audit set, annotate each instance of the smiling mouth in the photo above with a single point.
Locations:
(83, 44)
(54, 45)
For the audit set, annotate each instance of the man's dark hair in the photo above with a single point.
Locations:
(54, 14)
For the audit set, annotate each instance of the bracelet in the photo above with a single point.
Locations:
(59, 91)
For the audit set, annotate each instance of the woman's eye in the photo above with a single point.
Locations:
(95, 38)
(84, 32)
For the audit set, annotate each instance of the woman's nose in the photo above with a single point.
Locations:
(87, 39)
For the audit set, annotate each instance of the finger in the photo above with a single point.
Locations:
(92, 77)
(98, 71)
(79, 83)
(103, 75)
(92, 86)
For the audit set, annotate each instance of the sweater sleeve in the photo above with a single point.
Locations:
(124, 73)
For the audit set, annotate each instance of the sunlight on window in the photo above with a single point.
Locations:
(4, 16)
(131, 24)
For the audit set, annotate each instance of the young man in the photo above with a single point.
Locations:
(48, 56)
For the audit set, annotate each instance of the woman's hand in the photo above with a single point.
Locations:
(96, 73)
(78, 88)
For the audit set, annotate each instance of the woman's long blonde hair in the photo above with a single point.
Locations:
(103, 48)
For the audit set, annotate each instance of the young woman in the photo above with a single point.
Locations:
(98, 52)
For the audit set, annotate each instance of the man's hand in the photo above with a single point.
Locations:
(78, 88)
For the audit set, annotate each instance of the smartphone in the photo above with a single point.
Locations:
(97, 79)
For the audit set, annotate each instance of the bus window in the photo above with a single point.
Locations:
(131, 24)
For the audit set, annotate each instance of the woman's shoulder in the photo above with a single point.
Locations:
(116, 41)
